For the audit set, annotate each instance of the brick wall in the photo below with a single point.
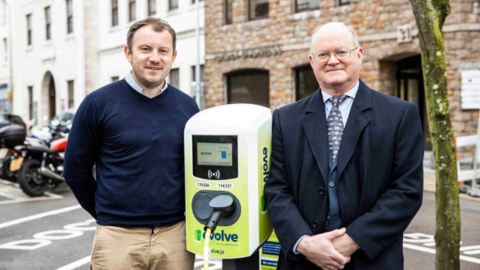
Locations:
(376, 23)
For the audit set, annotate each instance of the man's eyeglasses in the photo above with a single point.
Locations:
(321, 57)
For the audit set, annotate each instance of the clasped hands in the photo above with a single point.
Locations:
(330, 250)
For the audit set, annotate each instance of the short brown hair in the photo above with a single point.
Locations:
(158, 26)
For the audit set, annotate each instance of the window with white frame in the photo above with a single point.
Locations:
(5, 48)
(48, 24)
(132, 10)
(172, 4)
(29, 29)
(3, 10)
(152, 7)
(114, 12)
(174, 77)
(30, 102)
(69, 17)
(70, 94)
(194, 73)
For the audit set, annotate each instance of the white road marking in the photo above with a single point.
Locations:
(28, 244)
(58, 235)
(46, 214)
(76, 264)
(79, 226)
(433, 251)
(473, 252)
(424, 249)
(469, 248)
(12, 191)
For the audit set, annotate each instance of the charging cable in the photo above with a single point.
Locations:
(222, 207)
(206, 249)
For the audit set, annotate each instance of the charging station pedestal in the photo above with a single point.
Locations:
(227, 152)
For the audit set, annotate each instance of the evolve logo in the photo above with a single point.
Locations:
(222, 236)
(266, 172)
(265, 164)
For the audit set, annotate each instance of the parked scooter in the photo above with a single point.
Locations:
(39, 167)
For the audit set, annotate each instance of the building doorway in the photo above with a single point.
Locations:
(51, 98)
(410, 87)
(249, 86)
(48, 100)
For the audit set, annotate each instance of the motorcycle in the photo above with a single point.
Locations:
(6, 155)
(8, 152)
(39, 167)
(11, 136)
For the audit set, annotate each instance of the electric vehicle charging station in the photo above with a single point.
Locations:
(227, 162)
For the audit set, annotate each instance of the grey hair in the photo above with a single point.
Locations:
(350, 29)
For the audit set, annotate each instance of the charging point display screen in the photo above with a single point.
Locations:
(215, 157)
(217, 154)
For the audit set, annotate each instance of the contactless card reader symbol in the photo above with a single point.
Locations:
(214, 174)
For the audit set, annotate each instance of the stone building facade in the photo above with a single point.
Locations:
(46, 56)
(54, 53)
(277, 45)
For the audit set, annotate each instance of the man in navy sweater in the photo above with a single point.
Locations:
(133, 131)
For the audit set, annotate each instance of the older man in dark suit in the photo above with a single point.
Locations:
(346, 176)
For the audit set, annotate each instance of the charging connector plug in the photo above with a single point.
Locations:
(222, 207)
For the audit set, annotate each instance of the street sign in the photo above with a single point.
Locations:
(470, 93)
(404, 33)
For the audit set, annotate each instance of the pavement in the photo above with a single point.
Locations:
(429, 185)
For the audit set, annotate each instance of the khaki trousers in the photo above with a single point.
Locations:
(162, 248)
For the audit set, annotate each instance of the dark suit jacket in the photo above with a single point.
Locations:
(380, 176)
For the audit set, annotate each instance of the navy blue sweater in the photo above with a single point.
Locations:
(137, 144)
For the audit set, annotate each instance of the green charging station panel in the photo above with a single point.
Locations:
(227, 152)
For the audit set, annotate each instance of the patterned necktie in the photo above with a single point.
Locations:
(335, 126)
